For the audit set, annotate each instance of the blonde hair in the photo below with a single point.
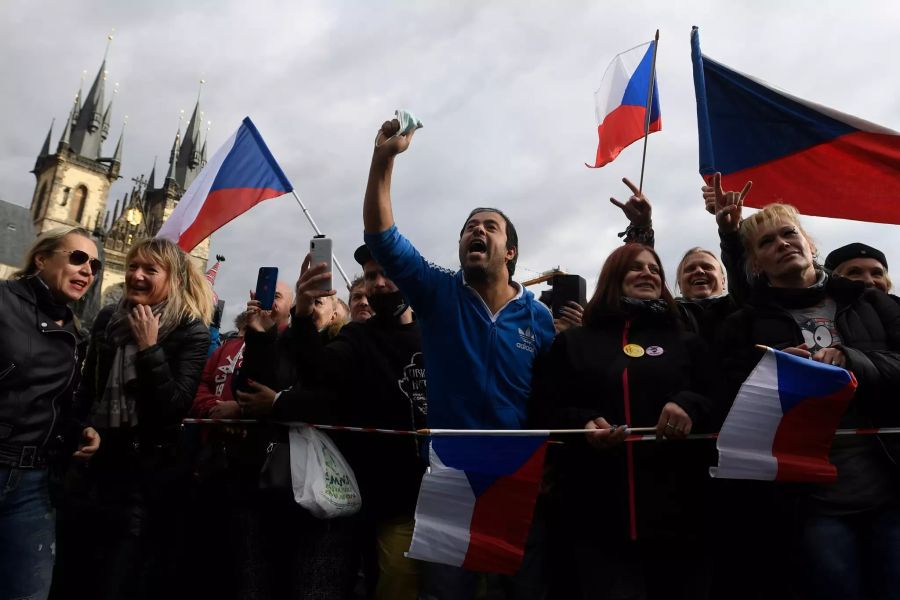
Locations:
(696, 250)
(46, 243)
(768, 216)
(887, 277)
(190, 295)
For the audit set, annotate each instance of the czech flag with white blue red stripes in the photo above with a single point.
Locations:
(823, 162)
(476, 501)
(239, 176)
(621, 102)
(783, 420)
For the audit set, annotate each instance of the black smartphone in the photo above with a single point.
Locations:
(265, 286)
(566, 288)
(217, 315)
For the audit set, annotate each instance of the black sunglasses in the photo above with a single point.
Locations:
(79, 257)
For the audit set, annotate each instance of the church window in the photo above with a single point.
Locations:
(79, 199)
(40, 201)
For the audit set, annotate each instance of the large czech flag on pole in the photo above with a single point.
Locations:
(783, 420)
(239, 176)
(477, 499)
(621, 102)
(823, 162)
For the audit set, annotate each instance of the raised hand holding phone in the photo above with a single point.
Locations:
(265, 287)
(309, 286)
(320, 252)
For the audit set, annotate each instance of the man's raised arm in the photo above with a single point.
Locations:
(377, 213)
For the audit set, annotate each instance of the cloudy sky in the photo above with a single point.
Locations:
(504, 89)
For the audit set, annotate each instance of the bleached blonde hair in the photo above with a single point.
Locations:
(189, 295)
(768, 216)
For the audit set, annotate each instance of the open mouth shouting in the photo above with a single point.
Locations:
(477, 247)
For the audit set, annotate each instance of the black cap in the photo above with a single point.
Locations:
(362, 255)
(855, 250)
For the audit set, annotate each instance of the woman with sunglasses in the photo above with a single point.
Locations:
(143, 365)
(628, 516)
(41, 351)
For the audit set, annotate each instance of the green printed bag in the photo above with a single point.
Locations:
(323, 482)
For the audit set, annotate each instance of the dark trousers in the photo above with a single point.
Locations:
(755, 540)
(306, 558)
(853, 557)
(122, 527)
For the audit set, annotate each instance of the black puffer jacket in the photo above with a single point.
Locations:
(39, 369)
(867, 320)
(167, 375)
(653, 490)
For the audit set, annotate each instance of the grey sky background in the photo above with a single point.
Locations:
(504, 90)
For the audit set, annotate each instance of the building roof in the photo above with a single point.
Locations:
(16, 233)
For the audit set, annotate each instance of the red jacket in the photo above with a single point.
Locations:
(215, 383)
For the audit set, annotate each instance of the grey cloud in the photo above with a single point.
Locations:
(505, 91)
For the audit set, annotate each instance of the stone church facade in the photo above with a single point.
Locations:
(73, 184)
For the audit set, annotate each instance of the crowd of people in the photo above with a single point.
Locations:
(107, 494)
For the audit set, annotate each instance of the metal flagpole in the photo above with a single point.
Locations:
(649, 110)
(315, 227)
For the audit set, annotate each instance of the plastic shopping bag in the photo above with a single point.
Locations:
(323, 482)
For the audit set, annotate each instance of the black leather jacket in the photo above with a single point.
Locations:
(167, 375)
(40, 366)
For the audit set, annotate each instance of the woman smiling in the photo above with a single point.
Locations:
(144, 362)
(630, 364)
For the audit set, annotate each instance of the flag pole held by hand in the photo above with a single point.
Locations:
(649, 110)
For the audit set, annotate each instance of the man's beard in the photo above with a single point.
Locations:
(475, 274)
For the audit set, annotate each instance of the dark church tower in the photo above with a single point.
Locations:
(73, 183)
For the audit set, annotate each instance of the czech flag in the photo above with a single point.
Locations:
(239, 176)
(783, 420)
(476, 501)
(621, 102)
(823, 162)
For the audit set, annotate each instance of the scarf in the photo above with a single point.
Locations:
(793, 298)
(44, 299)
(635, 306)
(118, 406)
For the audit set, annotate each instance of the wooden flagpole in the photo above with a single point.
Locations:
(649, 110)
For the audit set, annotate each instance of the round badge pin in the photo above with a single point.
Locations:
(633, 350)
(655, 350)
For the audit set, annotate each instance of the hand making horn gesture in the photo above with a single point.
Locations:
(637, 209)
(725, 205)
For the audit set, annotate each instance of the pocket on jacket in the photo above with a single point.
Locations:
(5, 430)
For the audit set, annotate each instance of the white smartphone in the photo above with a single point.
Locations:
(320, 252)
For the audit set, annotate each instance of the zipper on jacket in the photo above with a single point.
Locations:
(7, 370)
(64, 388)
(489, 367)
(629, 448)
(495, 316)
